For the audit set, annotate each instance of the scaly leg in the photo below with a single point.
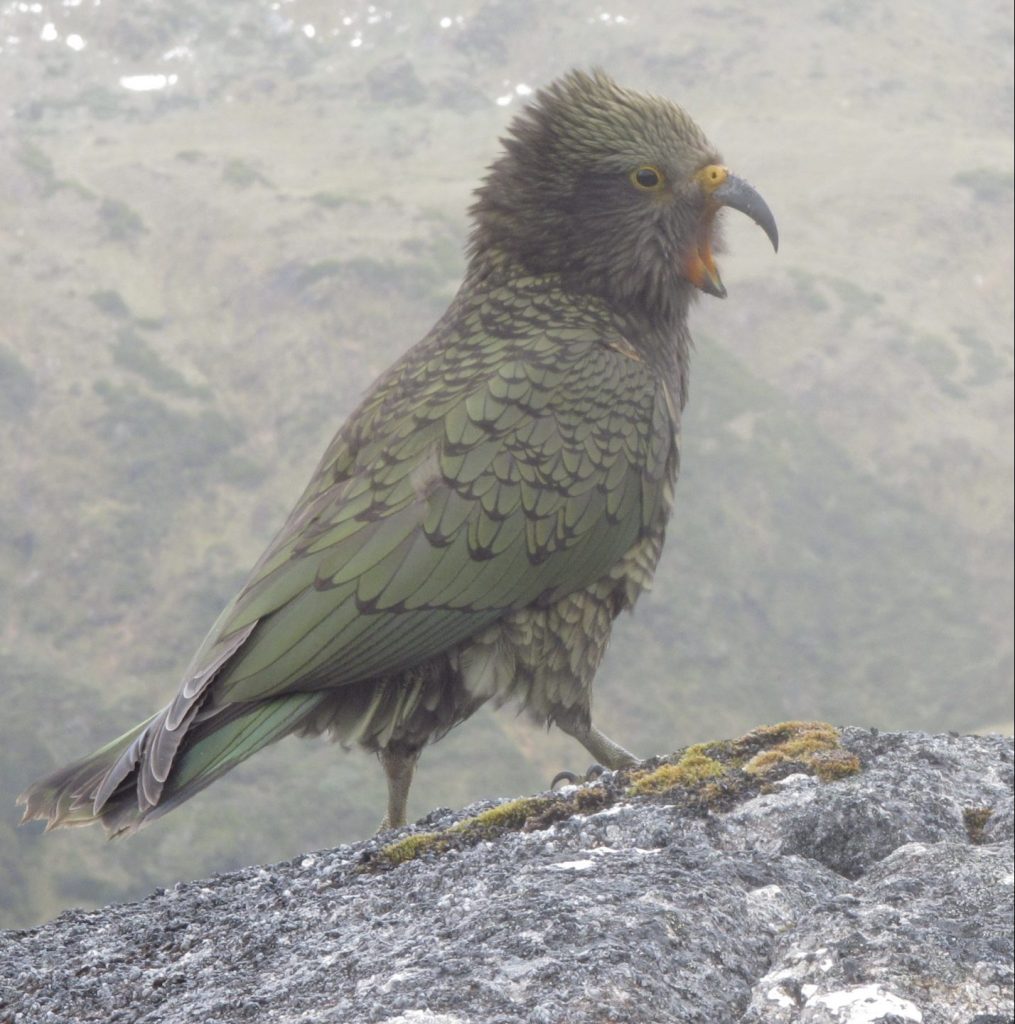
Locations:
(398, 767)
(599, 745)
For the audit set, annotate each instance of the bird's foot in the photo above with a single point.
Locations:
(571, 779)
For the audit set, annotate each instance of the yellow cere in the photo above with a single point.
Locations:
(711, 177)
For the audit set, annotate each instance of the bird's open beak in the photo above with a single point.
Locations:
(724, 189)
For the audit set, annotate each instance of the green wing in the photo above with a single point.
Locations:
(479, 476)
(505, 460)
(502, 462)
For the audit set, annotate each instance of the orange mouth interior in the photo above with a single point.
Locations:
(699, 264)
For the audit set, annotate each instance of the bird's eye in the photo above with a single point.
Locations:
(647, 178)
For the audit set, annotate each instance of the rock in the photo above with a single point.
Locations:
(744, 887)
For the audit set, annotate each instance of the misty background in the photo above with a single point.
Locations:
(221, 222)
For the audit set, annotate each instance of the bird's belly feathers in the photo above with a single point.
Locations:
(545, 657)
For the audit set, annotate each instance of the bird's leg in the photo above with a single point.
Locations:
(598, 744)
(399, 766)
(605, 751)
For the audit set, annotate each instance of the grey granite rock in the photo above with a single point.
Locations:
(879, 898)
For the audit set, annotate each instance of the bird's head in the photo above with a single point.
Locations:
(614, 190)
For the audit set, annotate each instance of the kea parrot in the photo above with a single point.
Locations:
(500, 495)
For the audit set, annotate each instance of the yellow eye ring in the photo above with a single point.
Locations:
(648, 178)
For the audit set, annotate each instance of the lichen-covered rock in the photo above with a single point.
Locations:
(742, 887)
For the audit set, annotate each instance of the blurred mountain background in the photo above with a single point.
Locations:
(222, 221)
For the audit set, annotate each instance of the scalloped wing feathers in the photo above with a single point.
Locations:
(514, 457)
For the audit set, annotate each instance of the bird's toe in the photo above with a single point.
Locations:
(572, 779)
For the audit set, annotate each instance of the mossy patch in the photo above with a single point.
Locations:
(692, 769)
(719, 774)
(704, 778)
(412, 847)
(831, 765)
(813, 747)
(975, 819)
(509, 817)
(527, 814)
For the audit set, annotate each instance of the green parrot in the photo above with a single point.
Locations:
(498, 498)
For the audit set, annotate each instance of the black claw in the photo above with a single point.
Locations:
(565, 776)
(594, 772)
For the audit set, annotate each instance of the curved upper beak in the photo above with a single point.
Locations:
(735, 193)
(724, 189)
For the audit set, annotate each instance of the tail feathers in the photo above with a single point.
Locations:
(223, 745)
(66, 797)
(106, 786)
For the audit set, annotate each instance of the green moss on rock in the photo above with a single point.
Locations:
(795, 742)
(526, 814)
(812, 747)
(975, 819)
(720, 773)
(707, 777)
(509, 817)
(412, 847)
(692, 769)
